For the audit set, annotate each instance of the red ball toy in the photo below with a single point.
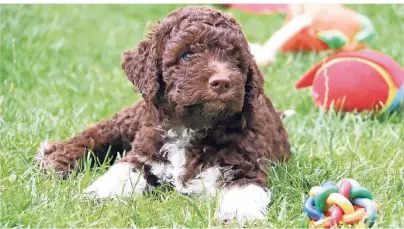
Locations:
(356, 81)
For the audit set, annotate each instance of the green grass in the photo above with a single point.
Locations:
(60, 72)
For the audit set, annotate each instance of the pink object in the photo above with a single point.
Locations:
(260, 8)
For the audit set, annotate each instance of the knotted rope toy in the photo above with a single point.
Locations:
(331, 204)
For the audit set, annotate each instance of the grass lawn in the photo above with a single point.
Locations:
(60, 72)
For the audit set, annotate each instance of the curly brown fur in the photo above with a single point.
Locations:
(171, 68)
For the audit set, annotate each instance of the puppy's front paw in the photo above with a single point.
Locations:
(120, 180)
(245, 204)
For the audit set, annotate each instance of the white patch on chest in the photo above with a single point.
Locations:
(172, 172)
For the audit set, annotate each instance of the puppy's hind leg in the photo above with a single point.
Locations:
(105, 138)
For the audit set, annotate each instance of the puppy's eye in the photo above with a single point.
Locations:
(186, 56)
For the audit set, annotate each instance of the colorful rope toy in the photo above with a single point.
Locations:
(347, 202)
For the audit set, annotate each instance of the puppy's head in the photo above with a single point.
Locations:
(195, 68)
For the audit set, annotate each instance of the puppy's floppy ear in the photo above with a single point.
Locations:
(255, 83)
(142, 69)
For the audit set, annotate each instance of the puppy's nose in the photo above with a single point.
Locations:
(219, 83)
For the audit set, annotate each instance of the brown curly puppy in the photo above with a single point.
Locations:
(204, 124)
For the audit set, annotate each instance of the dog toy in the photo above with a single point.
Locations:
(316, 27)
(331, 204)
(333, 27)
(266, 54)
(356, 81)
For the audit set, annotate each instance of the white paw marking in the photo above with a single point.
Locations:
(204, 182)
(246, 204)
(119, 180)
(40, 155)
